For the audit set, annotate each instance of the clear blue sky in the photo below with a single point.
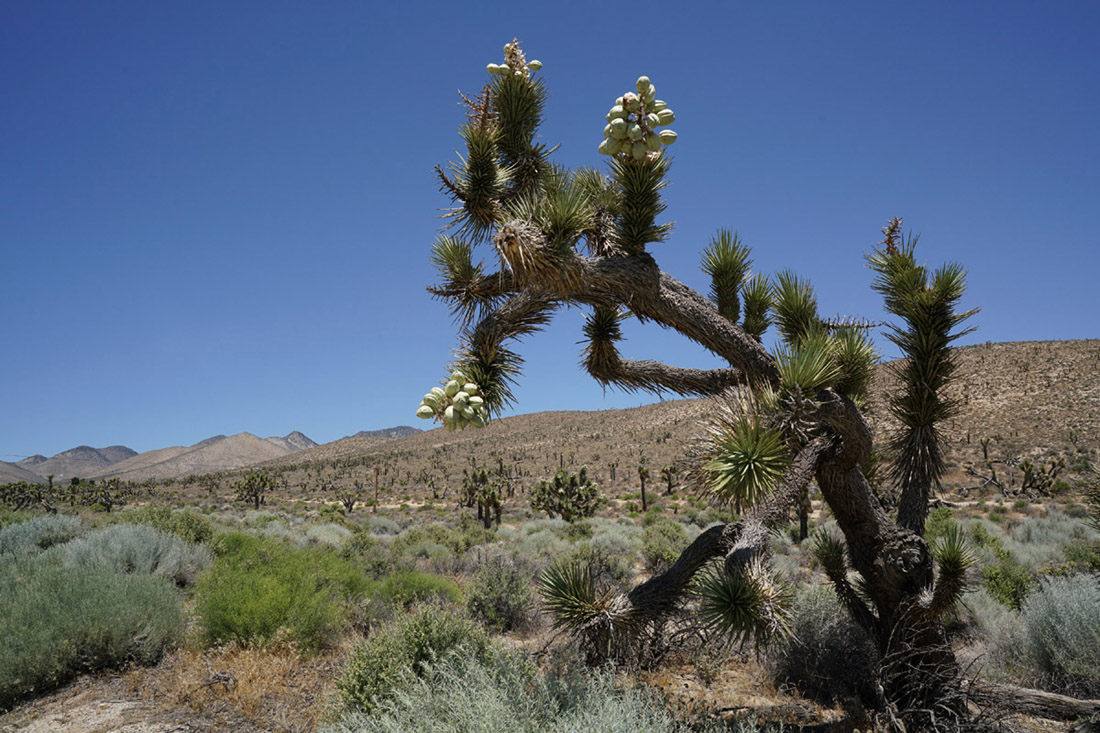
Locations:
(215, 216)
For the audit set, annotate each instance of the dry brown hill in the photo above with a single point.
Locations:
(1041, 398)
(237, 451)
(11, 473)
(81, 461)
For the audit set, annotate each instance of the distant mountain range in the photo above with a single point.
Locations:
(217, 453)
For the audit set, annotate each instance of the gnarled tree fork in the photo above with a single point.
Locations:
(578, 238)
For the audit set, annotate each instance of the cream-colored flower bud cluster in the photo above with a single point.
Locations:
(632, 124)
(459, 404)
(515, 63)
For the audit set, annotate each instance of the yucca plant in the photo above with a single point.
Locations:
(583, 238)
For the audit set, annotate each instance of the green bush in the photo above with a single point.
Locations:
(137, 549)
(1007, 580)
(453, 540)
(407, 587)
(662, 542)
(369, 553)
(39, 534)
(500, 596)
(260, 587)
(58, 621)
(187, 524)
(393, 657)
(1061, 625)
(939, 522)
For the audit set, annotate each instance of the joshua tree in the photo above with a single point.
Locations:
(571, 496)
(253, 487)
(579, 238)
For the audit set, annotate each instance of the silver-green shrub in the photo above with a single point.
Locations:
(503, 694)
(137, 548)
(57, 621)
(39, 534)
(828, 657)
(1058, 638)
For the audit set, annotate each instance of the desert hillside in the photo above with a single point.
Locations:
(1027, 400)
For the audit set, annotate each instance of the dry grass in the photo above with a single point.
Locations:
(270, 689)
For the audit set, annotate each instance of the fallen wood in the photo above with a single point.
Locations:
(1034, 702)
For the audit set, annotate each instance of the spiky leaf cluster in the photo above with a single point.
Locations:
(639, 184)
(502, 160)
(954, 557)
(748, 603)
(743, 458)
(727, 261)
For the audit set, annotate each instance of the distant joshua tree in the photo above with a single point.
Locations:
(253, 487)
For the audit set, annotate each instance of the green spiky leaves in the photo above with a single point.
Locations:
(726, 260)
(640, 184)
(795, 307)
(479, 180)
(809, 366)
(927, 304)
(756, 293)
(743, 459)
(570, 593)
(954, 556)
(749, 603)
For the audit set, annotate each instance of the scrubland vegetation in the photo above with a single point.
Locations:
(426, 625)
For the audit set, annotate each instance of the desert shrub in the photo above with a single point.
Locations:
(39, 533)
(407, 587)
(369, 553)
(1083, 556)
(582, 530)
(500, 595)
(429, 550)
(828, 657)
(1007, 580)
(609, 568)
(542, 547)
(452, 539)
(394, 656)
(14, 516)
(260, 587)
(58, 621)
(1059, 635)
(383, 526)
(662, 542)
(137, 548)
(187, 524)
(1041, 541)
(333, 535)
(504, 693)
(618, 539)
(939, 522)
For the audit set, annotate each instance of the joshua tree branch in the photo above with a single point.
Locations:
(659, 596)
